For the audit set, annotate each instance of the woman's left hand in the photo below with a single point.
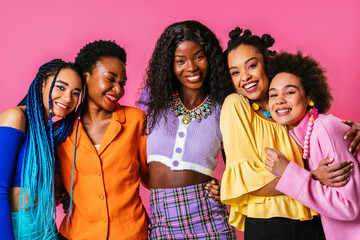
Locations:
(354, 146)
(214, 188)
(276, 162)
(65, 201)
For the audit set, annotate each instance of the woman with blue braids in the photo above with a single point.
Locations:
(27, 139)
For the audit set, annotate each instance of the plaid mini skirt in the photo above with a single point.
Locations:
(188, 213)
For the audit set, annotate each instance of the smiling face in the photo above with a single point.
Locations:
(65, 93)
(287, 100)
(105, 83)
(247, 70)
(190, 65)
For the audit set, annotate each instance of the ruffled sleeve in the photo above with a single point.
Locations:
(244, 161)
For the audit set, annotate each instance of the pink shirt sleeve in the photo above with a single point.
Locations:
(340, 203)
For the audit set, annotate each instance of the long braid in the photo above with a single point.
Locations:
(37, 174)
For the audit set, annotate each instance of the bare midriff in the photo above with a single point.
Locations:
(161, 176)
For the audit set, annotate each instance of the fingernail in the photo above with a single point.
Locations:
(350, 149)
(345, 137)
(331, 159)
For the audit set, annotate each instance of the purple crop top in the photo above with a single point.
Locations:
(193, 146)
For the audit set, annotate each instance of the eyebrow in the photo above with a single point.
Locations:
(114, 74)
(66, 84)
(201, 50)
(60, 81)
(245, 62)
(286, 86)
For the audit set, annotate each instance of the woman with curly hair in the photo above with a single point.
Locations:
(257, 208)
(27, 139)
(298, 98)
(103, 159)
(186, 84)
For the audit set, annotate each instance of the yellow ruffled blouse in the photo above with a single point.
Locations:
(245, 136)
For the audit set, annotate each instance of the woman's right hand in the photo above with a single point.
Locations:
(214, 189)
(336, 175)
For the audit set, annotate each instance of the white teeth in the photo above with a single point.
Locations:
(61, 105)
(250, 85)
(193, 78)
(112, 98)
(284, 110)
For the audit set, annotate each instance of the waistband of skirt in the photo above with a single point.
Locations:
(192, 191)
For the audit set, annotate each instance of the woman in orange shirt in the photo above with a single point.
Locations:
(103, 174)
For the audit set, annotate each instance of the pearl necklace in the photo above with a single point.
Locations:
(313, 117)
(179, 108)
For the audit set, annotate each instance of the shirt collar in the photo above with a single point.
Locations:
(301, 128)
(119, 114)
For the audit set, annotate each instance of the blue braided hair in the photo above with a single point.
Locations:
(37, 174)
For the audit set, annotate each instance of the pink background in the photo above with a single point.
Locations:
(35, 32)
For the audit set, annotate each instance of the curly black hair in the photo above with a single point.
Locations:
(312, 76)
(94, 51)
(160, 80)
(262, 44)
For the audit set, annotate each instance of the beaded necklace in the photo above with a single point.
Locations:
(179, 109)
(313, 117)
(256, 107)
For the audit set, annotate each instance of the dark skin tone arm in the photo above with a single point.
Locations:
(354, 146)
(338, 175)
(330, 175)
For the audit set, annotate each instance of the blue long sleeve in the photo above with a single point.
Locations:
(10, 143)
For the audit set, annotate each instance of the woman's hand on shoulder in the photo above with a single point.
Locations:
(214, 188)
(354, 146)
(336, 175)
(14, 118)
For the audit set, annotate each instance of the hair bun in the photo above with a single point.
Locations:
(235, 33)
(247, 33)
(267, 40)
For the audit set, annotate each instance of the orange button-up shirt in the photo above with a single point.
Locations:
(106, 201)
